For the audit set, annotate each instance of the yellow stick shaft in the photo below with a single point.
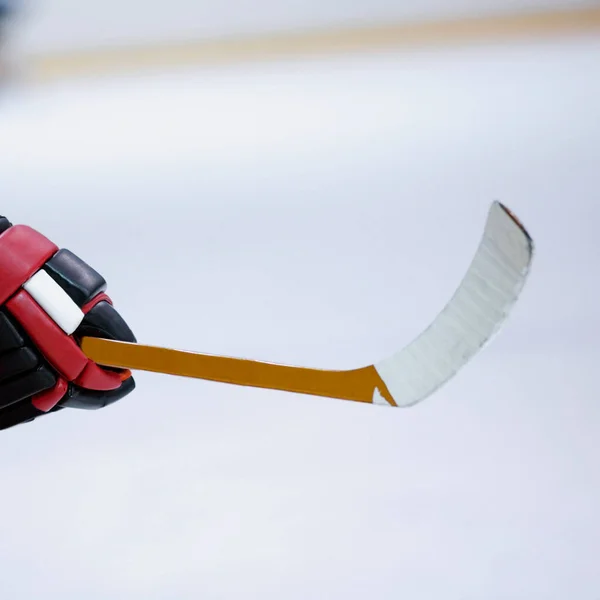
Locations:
(358, 385)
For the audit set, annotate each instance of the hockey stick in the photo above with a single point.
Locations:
(475, 313)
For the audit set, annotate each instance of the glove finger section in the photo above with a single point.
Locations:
(10, 338)
(93, 400)
(58, 349)
(16, 362)
(94, 377)
(75, 276)
(104, 321)
(47, 400)
(26, 386)
(23, 252)
(18, 413)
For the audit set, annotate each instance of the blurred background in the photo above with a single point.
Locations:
(62, 38)
(306, 183)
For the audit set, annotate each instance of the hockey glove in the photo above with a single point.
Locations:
(49, 300)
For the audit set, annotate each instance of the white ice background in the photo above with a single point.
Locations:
(319, 214)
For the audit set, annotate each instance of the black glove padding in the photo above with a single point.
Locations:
(42, 369)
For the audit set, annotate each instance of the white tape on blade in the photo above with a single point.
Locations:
(470, 320)
(55, 301)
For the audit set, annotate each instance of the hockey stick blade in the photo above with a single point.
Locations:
(473, 316)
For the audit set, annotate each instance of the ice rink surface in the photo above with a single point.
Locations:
(321, 214)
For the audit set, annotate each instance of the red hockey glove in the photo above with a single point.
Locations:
(49, 300)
